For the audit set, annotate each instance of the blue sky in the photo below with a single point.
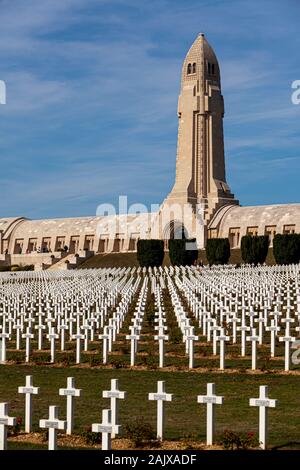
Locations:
(92, 88)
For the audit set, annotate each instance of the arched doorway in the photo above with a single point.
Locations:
(175, 230)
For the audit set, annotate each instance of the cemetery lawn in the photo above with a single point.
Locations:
(116, 260)
(185, 418)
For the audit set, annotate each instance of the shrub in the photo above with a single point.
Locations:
(89, 436)
(5, 269)
(117, 364)
(254, 249)
(40, 357)
(16, 429)
(150, 253)
(64, 358)
(94, 360)
(179, 253)
(15, 268)
(286, 248)
(44, 433)
(231, 440)
(26, 267)
(124, 349)
(217, 251)
(175, 336)
(140, 432)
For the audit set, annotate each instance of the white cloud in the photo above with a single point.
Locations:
(122, 87)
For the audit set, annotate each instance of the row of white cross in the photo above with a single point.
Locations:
(109, 427)
(246, 305)
(215, 301)
(85, 320)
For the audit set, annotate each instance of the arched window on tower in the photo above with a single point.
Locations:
(194, 67)
(189, 69)
(212, 69)
(208, 68)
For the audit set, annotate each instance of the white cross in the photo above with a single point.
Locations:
(161, 338)
(254, 339)
(287, 350)
(105, 338)
(273, 329)
(105, 428)
(261, 323)
(62, 328)
(28, 336)
(3, 338)
(28, 390)
(251, 315)
(86, 329)
(53, 424)
(264, 403)
(110, 330)
(234, 320)
(211, 399)
(161, 329)
(5, 421)
(115, 395)
(70, 392)
(78, 338)
(215, 328)
(287, 322)
(40, 329)
(52, 336)
(186, 330)
(18, 328)
(222, 338)
(112, 326)
(190, 338)
(160, 396)
(209, 322)
(133, 347)
(243, 329)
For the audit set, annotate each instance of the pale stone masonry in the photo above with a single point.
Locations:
(200, 202)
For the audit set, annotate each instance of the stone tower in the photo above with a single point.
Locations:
(200, 165)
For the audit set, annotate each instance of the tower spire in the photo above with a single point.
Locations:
(200, 164)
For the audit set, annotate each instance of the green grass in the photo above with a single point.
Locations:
(184, 417)
(111, 260)
(14, 445)
(116, 260)
(236, 258)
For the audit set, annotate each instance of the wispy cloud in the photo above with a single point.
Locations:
(92, 96)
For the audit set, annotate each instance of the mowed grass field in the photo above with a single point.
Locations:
(185, 418)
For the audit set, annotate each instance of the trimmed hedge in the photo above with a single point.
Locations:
(254, 249)
(16, 267)
(217, 251)
(286, 248)
(150, 253)
(179, 255)
(4, 269)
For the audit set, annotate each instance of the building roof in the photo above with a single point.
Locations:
(8, 224)
(83, 225)
(200, 52)
(255, 216)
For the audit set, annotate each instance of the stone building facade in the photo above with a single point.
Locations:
(200, 204)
